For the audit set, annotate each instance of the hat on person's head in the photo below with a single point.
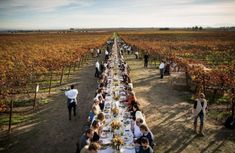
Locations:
(202, 95)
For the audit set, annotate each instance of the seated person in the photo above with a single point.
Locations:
(101, 119)
(84, 149)
(97, 130)
(135, 108)
(101, 102)
(136, 128)
(92, 113)
(131, 97)
(100, 92)
(145, 148)
(146, 133)
(97, 105)
(130, 108)
(85, 139)
(92, 148)
(139, 114)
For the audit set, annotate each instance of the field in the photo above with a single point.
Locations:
(204, 61)
(206, 57)
(44, 59)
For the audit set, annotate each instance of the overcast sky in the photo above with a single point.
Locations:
(50, 14)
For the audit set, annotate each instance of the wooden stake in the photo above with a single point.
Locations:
(62, 74)
(10, 116)
(50, 82)
(35, 96)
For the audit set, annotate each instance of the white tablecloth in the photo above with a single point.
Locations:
(122, 150)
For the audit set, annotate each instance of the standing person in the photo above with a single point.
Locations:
(146, 60)
(162, 68)
(102, 67)
(97, 69)
(72, 100)
(128, 50)
(98, 52)
(199, 110)
(106, 55)
(136, 55)
(92, 52)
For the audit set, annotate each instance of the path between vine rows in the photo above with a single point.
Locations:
(53, 132)
(167, 115)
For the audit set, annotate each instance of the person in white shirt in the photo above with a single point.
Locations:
(97, 69)
(106, 55)
(136, 55)
(98, 52)
(72, 100)
(162, 68)
(136, 128)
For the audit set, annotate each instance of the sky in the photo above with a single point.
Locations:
(63, 14)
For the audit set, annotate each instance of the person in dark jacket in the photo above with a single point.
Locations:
(85, 139)
(146, 134)
(145, 148)
(146, 60)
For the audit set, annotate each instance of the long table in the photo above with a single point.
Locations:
(115, 94)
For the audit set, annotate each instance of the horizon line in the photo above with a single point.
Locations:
(35, 29)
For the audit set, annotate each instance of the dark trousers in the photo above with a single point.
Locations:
(146, 63)
(70, 106)
(136, 56)
(97, 73)
(162, 73)
(201, 117)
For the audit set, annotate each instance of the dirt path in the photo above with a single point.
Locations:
(168, 115)
(52, 132)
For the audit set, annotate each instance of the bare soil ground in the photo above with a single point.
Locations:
(168, 115)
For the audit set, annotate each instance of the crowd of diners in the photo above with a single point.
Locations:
(143, 138)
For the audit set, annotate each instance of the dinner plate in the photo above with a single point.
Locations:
(105, 135)
(132, 146)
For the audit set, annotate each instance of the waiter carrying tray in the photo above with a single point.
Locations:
(72, 100)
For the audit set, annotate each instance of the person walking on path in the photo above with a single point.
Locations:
(199, 110)
(162, 68)
(136, 55)
(97, 69)
(146, 60)
(72, 100)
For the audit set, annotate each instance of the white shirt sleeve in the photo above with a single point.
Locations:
(72, 94)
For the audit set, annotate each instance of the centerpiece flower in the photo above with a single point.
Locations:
(117, 142)
(115, 111)
(116, 97)
(115, 125)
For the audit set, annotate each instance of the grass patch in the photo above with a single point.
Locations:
(16, 119)
(43, 101)
(218, 115)
(188, 98)
(22, 103)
